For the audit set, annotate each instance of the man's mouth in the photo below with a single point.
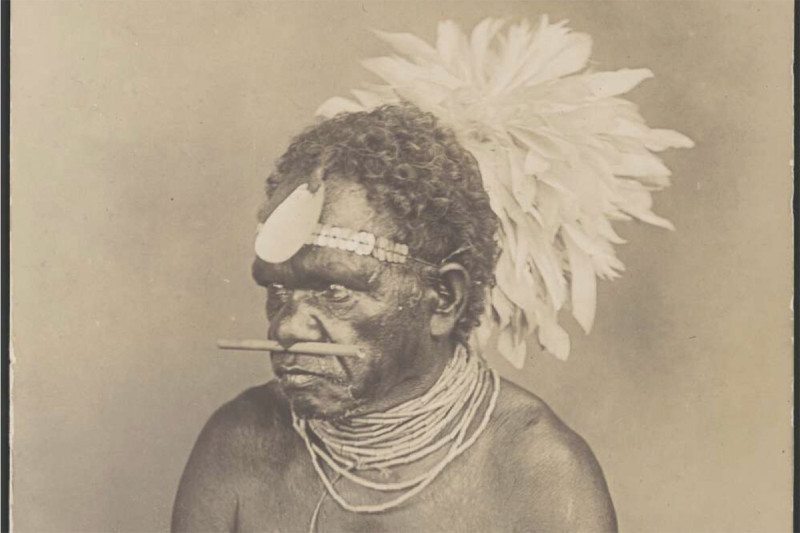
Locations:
(298, 380)
(298, 377)
(300, 370)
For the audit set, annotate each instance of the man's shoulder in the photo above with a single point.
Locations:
(244, 438)
(264, 402)
(525, 416)
(552, 466)
(254, 417)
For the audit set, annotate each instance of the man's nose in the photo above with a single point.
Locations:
(297, 321)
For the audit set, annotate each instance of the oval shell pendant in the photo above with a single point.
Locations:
(290, 225)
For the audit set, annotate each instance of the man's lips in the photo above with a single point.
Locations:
(297, 368)
(294, 377)
(298, 380)
(289, 371)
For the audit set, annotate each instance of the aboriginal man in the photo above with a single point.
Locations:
(400, 177)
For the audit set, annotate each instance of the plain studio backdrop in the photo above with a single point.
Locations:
(142, 133)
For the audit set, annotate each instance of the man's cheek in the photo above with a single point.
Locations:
(400, 326)
(376, 321)
(366, 374)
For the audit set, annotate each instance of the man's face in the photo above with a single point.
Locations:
(330, 295)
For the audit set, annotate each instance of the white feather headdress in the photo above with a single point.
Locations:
(561, 156)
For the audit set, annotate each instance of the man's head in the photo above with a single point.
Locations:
(396, 173)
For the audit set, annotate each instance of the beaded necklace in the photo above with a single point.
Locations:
(403, 434)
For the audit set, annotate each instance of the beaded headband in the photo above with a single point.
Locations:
(359, 242)
(295, 222)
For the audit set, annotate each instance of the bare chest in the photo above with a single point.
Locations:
(464, 497)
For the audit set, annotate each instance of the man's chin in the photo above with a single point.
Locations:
(309, 408)
(312, 402)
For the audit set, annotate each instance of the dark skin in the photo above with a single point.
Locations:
(250, 471)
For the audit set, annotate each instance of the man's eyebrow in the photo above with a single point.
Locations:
(264, 274)
(357, 273)
(352, 272)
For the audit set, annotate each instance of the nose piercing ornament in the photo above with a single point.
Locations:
(308, 348)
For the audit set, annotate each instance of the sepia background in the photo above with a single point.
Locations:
(141, 135)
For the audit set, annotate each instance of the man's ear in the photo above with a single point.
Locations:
(451, 290)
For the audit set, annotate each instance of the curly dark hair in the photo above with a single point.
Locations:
(413, 168)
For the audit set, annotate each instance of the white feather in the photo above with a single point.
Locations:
(583, 287)
(606, 84)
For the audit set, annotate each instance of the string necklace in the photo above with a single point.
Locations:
(403, 434)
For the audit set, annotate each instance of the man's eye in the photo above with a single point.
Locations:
(337, 293)
(281, 293)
